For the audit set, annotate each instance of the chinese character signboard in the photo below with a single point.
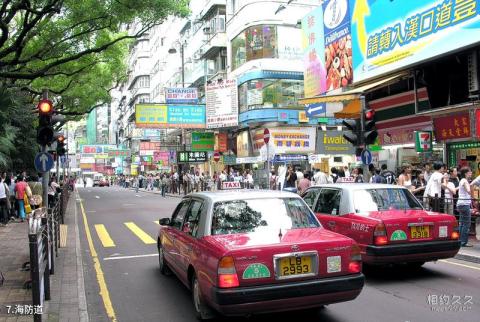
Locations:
(161, 156)
(332, 142)
(452, 127)
(222, 104)
(169, 116)
(396, 136)
(313, 43)
(119, 153)
(391, 35)
(286, 139)
(191, 156)
(187, 95)
(203, 141)
(423, 141)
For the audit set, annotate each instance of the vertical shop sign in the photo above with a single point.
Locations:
(423, 141)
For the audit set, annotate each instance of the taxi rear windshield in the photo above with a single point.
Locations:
(261, 215)
(384, 199)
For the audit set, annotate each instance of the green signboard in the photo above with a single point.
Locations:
(203, 141)
(423, 141)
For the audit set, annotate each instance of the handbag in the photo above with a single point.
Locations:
(28, 208)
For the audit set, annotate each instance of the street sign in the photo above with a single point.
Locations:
(216, 157)
(266, 136)
(366, 157)
(315, 109)
(191, 156)
(43, 162)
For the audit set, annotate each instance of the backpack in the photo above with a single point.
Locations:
(378, 179)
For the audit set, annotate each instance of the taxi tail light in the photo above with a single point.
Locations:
(380, 235)
(355, 265)
(227, 275)
(455, 233)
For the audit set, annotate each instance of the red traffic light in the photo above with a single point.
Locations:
(45, 106)
(369, 114)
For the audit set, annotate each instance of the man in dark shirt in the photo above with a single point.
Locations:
(388, 175)
(290, 178)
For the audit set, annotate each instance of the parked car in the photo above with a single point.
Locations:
(104, 183)
(387, 222)
(246, 252)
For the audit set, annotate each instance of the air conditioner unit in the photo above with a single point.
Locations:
(473, 83)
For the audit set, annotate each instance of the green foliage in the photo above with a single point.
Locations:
(76, 49)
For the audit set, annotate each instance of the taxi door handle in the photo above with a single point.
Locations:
(331, 223)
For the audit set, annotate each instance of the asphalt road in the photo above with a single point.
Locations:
(138, 292)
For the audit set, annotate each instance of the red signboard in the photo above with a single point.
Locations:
(452, 127)
(221, 140)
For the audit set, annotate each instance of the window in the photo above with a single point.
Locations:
(310, 197)
(179, 214)
(384, 199)
(193, 217)
(328, 202)
(270, 93)
(261, 216)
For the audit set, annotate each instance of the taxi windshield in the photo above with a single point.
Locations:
(261, 215)
(384, 199)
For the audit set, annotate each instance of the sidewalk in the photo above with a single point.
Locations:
(67, 301)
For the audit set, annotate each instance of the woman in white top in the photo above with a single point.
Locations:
(405, 178)
(464, 204)
(450, 192)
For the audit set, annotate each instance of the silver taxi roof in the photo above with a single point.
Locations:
(224, 195)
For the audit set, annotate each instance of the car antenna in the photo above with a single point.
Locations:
(280, 234)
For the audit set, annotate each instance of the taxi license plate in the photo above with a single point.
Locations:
(419, 232)
(291, 266)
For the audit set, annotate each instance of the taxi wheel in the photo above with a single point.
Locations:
(162, 264)
(202, 311)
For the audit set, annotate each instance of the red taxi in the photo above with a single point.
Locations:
(246, 252)
(387, 222)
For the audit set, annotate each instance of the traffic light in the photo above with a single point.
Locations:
(369, 130)
(45, 126)
(354, 126)
(61, 145)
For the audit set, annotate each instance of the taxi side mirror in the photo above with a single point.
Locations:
(186, 228)
(164, 221)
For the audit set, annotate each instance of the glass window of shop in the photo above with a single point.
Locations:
(254, 43)
(270, 93)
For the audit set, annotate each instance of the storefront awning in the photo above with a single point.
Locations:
(350, 98)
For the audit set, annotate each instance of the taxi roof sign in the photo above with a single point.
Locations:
(231, 185)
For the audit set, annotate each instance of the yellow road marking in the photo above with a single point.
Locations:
(140, 233)
(104, 236)
(458, 264)
(107, 303)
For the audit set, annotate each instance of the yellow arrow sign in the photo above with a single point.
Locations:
(360, 11)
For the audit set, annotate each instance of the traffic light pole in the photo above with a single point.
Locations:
(45, 176)
(363, 104)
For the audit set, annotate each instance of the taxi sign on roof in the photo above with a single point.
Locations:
(346, 180)
(231, 185)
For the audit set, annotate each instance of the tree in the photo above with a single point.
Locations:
(77, 49)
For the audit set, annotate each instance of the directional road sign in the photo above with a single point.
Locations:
(315, 109)
(43, 162)
(366, 157)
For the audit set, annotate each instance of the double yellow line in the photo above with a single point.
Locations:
(107, 303)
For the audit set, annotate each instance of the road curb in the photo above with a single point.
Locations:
(468, 258)
(82, 298)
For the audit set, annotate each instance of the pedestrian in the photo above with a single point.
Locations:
(249, 180)
(357, 174)
(319, 177)
(434, 185)
(388, 175)
(346, 172)
(304, 183)
(449, 191)
(163, 183)
(334, 175)
(136, 183)
(427, 172)
(4, 200)
(290, 180)
(464, 204)
(21, 191)
(419, 185)
(13, 203)
(273, 181)
(405, 177)
(377, 178)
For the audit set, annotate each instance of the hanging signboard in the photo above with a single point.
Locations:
(452, 127)
(286, 139)
(119, 153)
(333, 143)
(423, 141)
(169, 116)
(203, 141)
(187, 95)
(192, 157)
(221, 104)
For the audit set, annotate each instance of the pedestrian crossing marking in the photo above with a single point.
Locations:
(140, 233)
(104, 236)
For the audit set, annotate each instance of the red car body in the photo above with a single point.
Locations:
(402, 231)
(241, 273)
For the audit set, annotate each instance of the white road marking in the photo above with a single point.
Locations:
(127, 257)
(97, 197)
(128, 204)
(137, 196)
(458, 264)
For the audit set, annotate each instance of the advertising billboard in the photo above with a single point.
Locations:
(203, 141)
(187, 95)
(333, 143)
(286, 139)
(222, 104)
(169, 116)
(391, 35)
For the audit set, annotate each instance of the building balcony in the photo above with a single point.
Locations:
(215, 44)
